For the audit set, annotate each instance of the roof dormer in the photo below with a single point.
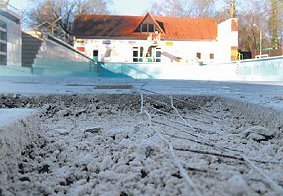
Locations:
(148, 25)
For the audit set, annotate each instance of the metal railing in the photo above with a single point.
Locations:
(51, 28)
(4, 5)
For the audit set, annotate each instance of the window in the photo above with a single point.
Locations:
(151, 28)
(3, 47)
(3, 35)
(211, 56)
(141, 51)
(135, 60)
(144, 27)
(158, 55)
(149, 52)
(198, 55)
(3, 60)
(3, 44)
(135, 54)
(95, 53)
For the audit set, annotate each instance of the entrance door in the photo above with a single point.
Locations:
(95, 55)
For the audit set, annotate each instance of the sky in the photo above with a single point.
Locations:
(121, 7)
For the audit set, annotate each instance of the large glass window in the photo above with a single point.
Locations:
(3, 47)
(3, 59)
(3, 43)
(3, 35)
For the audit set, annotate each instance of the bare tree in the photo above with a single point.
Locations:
(252, 20)
(273, 22)
(45, 13)
(167, 8)
(254, 16)
(182, 8)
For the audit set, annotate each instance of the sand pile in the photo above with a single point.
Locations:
(104, 145)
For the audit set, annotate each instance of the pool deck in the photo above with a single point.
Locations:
(268, 94)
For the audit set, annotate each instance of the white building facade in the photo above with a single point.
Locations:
(155, 39)
(10, 37)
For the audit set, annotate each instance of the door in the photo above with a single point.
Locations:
(95, 55)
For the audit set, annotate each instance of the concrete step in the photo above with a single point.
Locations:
(34, 51)
(28, 55)
(28, 59)
(35, 44)
(30, 47)
(28, 62)
(26, 65)
(30, 51)
(31, 38)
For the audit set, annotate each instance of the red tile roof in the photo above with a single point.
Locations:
(116, 26)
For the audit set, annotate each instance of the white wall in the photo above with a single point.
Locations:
(122, 49)
(185, 51)
(268, 69)
(226, 38)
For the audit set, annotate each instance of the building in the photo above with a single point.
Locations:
(10, 35)
(114, 38)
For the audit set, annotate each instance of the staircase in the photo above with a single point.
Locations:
(50, 56)
(31, 43)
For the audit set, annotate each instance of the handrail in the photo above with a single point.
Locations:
(36, 28)
(62, 43)
(54, 38)
(52, 26)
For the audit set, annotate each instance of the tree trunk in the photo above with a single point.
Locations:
(273, 23)
(232, 10)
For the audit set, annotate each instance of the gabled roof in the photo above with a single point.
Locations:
(150, 19)
(171, 28)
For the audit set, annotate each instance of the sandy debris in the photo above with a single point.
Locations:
(103, 145)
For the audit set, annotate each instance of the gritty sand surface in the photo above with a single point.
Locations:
(104, 145)
(9, 116)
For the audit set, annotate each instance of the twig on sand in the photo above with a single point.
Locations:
(183, 173)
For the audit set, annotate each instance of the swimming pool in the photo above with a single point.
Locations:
(269, 69)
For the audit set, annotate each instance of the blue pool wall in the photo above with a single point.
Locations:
(269, 69)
